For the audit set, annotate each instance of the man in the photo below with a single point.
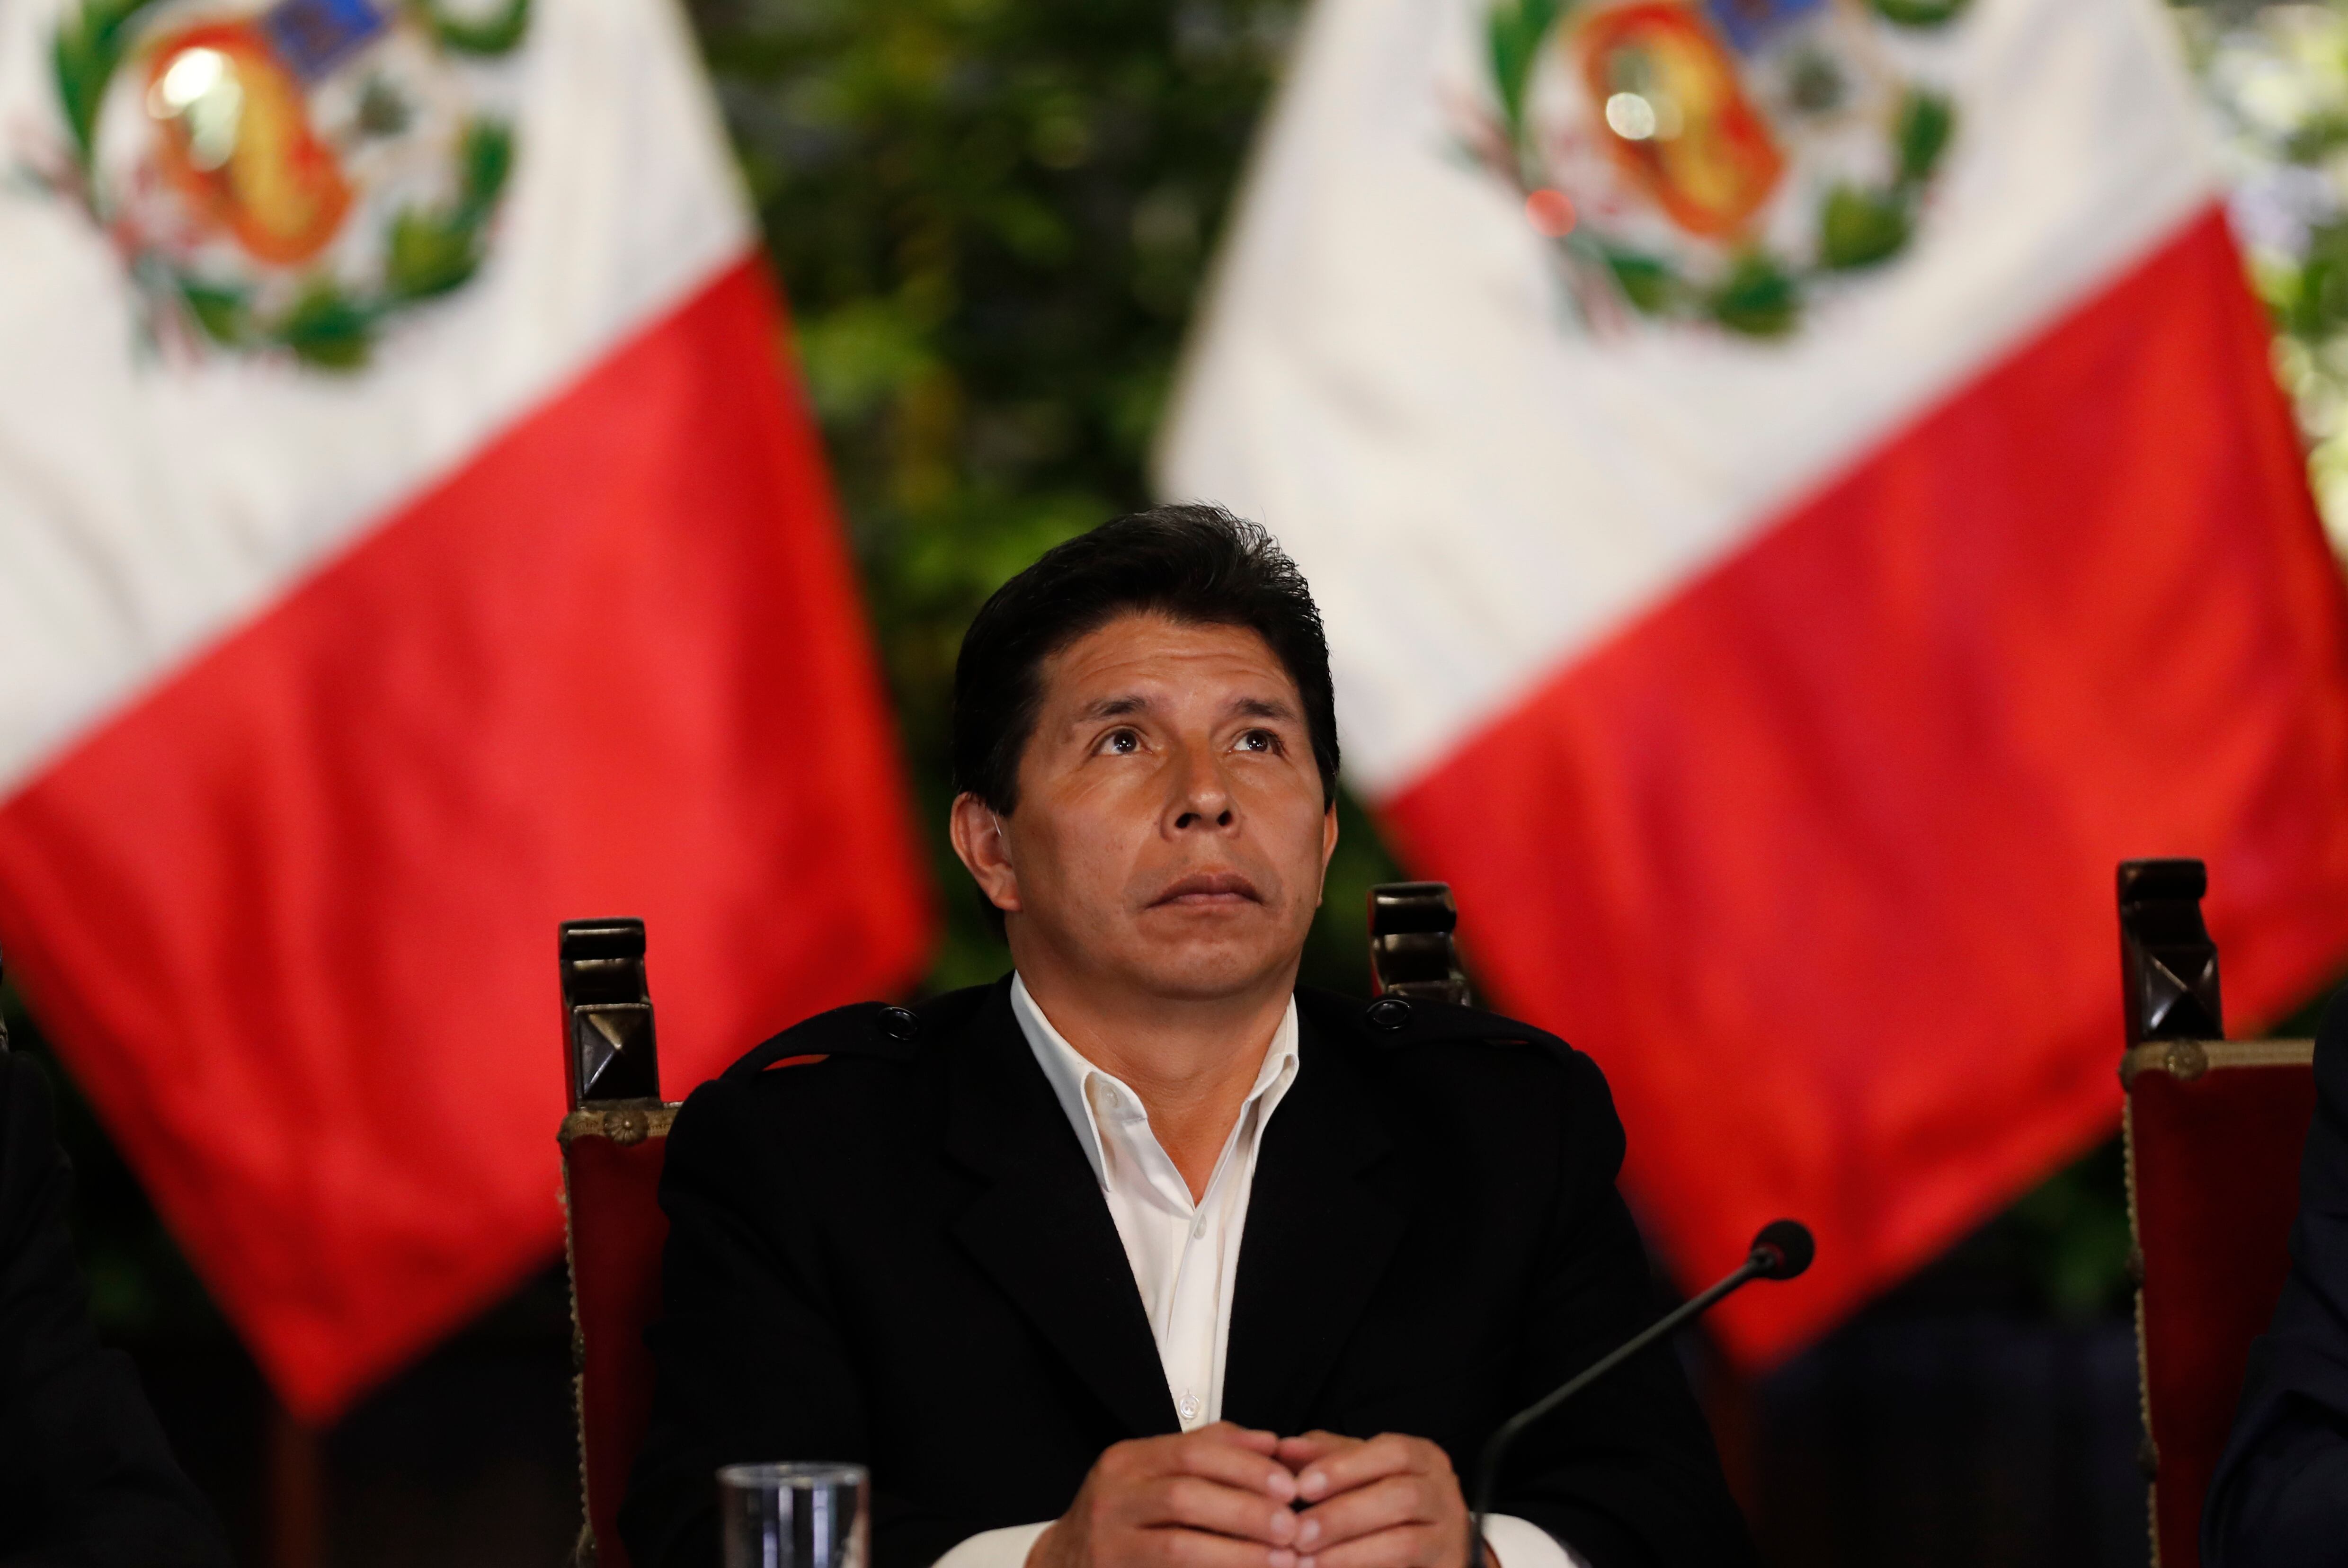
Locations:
(2280, 1499)
(1143, 1254)
(86, 1476)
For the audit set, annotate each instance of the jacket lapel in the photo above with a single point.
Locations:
(1040, 1228)
(1316, 1242)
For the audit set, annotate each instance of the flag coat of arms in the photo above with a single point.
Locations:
(1797, 494)
(409, 539)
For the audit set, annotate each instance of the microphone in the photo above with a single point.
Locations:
(1782, 1249)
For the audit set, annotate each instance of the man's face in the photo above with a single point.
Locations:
(1170, 834)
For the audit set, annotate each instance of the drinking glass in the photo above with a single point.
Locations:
(793, 1515)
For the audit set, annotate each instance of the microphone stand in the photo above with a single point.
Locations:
(1782, 1249)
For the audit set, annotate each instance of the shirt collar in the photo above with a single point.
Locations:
(1072, 1076)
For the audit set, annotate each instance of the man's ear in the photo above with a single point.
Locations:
(1328, 848)
(978, 839)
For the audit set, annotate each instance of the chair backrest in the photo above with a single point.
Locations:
(614, 1143)
(1412, 952)
(2214, 1129)
(615, 1140)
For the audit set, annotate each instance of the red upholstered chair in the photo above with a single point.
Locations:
(614, 1142)
(2214, 1130)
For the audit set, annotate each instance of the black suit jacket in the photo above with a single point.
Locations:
(86, 1480)
(901, 1256)
(2280, 1499)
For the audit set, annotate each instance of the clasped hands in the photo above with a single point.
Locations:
(1227, 1497)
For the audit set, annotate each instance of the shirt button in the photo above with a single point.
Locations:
(1188, 1410)
(1199, 1231)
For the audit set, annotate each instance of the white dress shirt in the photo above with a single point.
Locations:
(1185, 1254)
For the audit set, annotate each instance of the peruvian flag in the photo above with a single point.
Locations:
(1797, 494)
(408, 539)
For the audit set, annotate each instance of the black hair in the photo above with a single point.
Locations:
(1191, 563)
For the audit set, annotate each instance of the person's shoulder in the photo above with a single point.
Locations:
(837, 1093)
(1392, 1022)
(908, 1035)
(824, 1065)
(1418, 1036)
(1482, 1087)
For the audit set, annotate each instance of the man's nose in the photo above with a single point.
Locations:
(1202, 798)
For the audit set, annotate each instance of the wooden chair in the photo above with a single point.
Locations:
(615, 1140)
(2214, 1129)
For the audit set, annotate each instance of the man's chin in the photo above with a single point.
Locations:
(1195, 952)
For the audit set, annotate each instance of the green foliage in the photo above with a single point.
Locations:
(2276, 77)
(2310, 301)
(992, 218)
(2070, 1235)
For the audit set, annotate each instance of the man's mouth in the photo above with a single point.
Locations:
(1207, 889)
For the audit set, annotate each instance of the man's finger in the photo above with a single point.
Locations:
(1299, 1452)
(1231, 1459)
(1178, 1548)
(1251, 1438)
(1403, 1546)
(1380, 1456)
(1192, 1503)
(1411, 1498)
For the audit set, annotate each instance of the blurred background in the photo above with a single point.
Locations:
(993, 219)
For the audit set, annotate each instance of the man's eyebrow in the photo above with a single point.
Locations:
(1112, 707)
(1131, 703)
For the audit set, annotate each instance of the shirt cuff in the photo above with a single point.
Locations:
(1516, 1543)
(1008, 1547)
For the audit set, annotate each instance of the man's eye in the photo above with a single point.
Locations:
(1120, 743)
(1259, 740)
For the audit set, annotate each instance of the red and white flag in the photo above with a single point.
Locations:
(1797, 494)
(408, 539)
